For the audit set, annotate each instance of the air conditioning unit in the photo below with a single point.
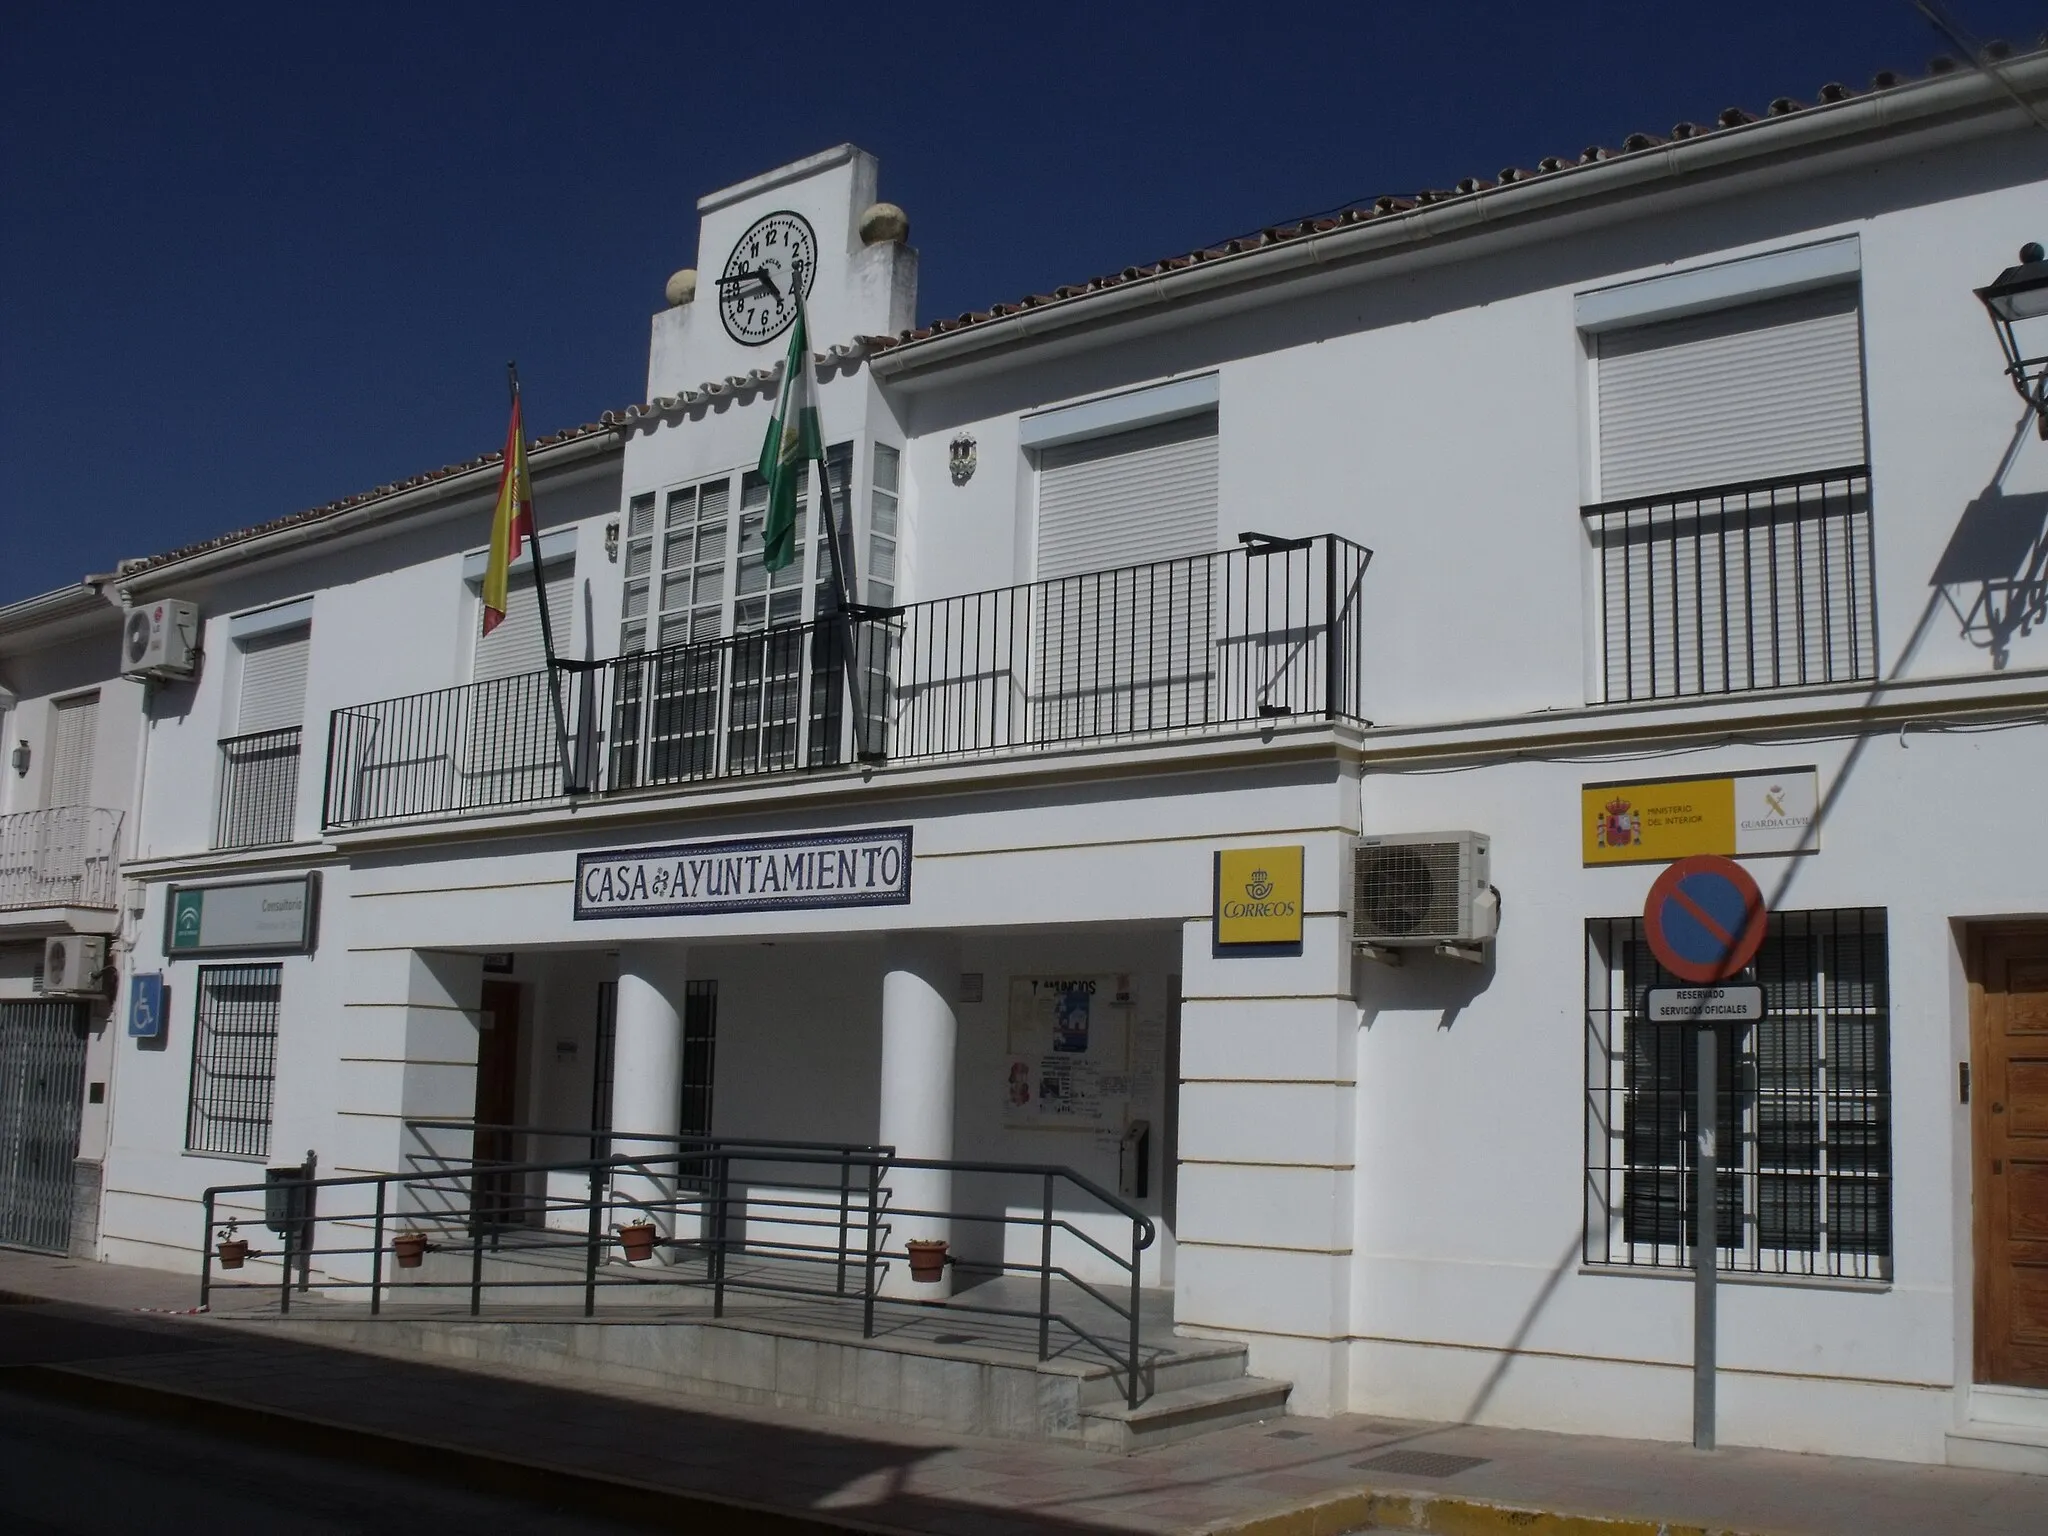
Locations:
(160, 639)
(74, 965)
(1423, 890)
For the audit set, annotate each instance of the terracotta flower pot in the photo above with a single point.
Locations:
(410, 1249)
(637, 1238)
(233, 1251)
(927, 1261)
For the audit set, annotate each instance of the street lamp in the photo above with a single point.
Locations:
(2021, 295)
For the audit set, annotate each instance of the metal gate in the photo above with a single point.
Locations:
(42, 1077)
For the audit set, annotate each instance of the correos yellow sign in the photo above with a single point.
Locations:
(1258, 897)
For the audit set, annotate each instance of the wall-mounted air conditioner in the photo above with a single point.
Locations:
(74, 965)
(160, 639)
(1423, 890)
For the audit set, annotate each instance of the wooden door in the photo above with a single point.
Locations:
(2009, 1115)
(497, 1100)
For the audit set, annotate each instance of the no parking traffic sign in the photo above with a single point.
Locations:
(1705, 918)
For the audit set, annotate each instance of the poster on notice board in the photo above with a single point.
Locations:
(1068, 1066)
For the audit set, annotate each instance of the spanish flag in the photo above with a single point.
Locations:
(511, 523)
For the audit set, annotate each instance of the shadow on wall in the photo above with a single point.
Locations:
(1994, 572)
(1425, 982)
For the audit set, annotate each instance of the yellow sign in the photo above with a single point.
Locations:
(1744, 815)
(1258, 896)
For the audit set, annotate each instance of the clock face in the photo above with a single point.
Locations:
(757, 290)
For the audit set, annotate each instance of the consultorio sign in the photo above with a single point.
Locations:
(868, 868)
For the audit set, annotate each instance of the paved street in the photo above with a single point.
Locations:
(195, 1385)
(84, 1472)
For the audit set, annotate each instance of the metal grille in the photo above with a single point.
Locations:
(259, 789)
(1408, 889)
(42, 1079)
(1803, 1115)
(1762, 585)
(234, 1060)
(700, 1037)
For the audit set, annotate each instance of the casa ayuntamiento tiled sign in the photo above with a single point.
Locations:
(865, 868)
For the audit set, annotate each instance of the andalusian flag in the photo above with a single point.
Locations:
(793, 441)
(511, 523)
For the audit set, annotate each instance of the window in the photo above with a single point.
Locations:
(1733, 533)
(738, 684)
(1127, 628)
(700, 1038)
(259, 785)
(234, 1060)
(74, 732)
(882, 507)
(516, 647)
(1803, 1109)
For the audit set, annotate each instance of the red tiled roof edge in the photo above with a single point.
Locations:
(137, 567)
(1830, 94)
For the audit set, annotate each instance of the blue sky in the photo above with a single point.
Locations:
(253, 259)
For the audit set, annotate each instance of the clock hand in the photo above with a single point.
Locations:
(751, 275)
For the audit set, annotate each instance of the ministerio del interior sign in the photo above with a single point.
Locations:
(867, 868)
(1739, 815)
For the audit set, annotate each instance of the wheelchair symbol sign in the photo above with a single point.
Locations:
(146, 1005)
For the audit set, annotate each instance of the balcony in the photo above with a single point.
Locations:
(67, 857)
(1266, 632)
(1736, 588)
(259, 789)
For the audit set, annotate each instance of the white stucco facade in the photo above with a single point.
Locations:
(1376, 1175)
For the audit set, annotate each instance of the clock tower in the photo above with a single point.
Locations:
(815, 222)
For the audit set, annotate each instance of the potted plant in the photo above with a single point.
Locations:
(410, 1249)
(637, 1238)
(927, 1260)
(232, 1248)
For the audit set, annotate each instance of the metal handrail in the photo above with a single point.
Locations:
(700, 1181)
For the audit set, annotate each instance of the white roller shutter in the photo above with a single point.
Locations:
(274, 681)
(1734, 395)
(1120, 650)
(515, 646)
(1128, 498)
(73, 734)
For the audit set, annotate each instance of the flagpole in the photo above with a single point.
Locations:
(856, 694)
(540, 597)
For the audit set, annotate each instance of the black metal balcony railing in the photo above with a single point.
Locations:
(1767, 584)
(1268, 631)
(259, 789)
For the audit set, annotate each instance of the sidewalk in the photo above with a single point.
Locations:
(661, 1458)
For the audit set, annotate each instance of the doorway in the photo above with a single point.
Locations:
(496, 1201)
(42, 1082)
(2009, 1133)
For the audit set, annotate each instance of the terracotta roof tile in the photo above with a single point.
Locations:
(1470, 186)
(129, 568)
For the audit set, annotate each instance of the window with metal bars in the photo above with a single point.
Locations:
(700, 1038)
(1803, 1115)
(234, 1060)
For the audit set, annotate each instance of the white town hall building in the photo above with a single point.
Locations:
(1275, 677)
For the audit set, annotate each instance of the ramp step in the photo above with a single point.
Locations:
(1183, 1412)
